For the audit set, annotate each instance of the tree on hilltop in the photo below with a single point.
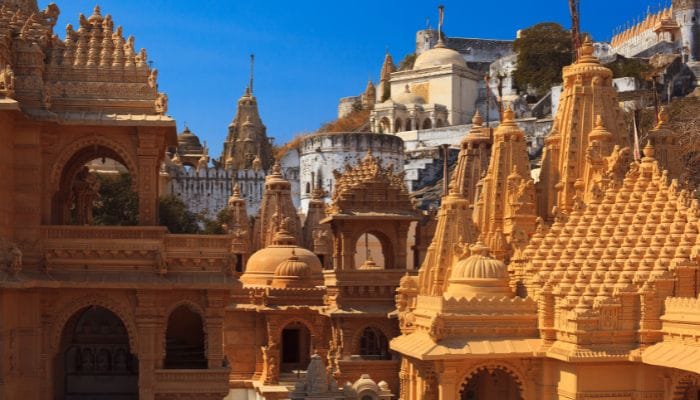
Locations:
(543, 50)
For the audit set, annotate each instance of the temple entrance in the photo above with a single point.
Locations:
(496, 384)
(296, 347)
(95, 361)
(184, 340)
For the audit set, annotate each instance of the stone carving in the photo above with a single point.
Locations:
(7, 82)
(161, 104)
(10, 256)
(86, 190)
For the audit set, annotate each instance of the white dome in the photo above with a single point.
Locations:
(406, 97)
(438, 56)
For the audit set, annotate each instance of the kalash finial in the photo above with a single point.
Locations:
(277, 168)
(477, 120)
(236, 190)
(586, 51)
(663, 117)
(441, 17)
(508, 115)
(479, 248)
(648, 151)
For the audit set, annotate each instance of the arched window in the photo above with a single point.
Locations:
(397, 125)
(408, 125)
(308, 187)
(184, 340)
(368, 246)
(427, 124)
(495, 384)
(374, 345)
(95, 360)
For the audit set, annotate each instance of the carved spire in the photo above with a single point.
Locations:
(473, 159)
(666, 145)
(588, 93)
(276, 208)
(247, 136)
(507, 199)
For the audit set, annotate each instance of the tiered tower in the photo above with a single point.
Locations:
(276, 208)
(588, 93)
(505, 212)
(247, 145)
(475, 153)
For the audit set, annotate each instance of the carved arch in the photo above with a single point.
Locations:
(507, 367)
(69, 151)
(79, 303)
(357, 336)
(386, 239)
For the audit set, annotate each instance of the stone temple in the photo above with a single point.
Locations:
(583, 285)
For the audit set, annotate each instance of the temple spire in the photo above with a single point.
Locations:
(252, 72)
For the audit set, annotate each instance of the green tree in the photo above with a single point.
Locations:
(634, 67)
(407, 62)
(118, 204)
(216, 226)
(175, 216)
(543, 50)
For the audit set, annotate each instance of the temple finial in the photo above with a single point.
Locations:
(441, 16)
(252, 71)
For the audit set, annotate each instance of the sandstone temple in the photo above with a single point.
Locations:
(582, 284)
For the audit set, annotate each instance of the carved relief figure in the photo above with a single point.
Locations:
(86, 189)
(7, 81)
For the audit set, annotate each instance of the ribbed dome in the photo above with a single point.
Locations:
(406, 97)
(438, 56)
(262, 265)
(479, 275)
(479, 266)
(293, 267)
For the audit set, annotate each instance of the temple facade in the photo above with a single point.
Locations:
(587, 306)
(583, 286)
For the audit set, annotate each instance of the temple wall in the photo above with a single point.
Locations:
(7, 175)
(321, 154)
(244, 333)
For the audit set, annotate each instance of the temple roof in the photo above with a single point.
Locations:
(369, 188)
(625, 239)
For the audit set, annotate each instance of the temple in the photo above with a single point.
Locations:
(583, 285)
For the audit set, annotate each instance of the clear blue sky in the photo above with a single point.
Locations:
(308, 53)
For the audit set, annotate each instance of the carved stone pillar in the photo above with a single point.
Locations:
(148, 156)
(148, 319)
(348, 252)
(215, 329)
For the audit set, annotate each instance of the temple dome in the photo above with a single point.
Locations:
(406, 97)
(293, 272)
(479, 275)
(188, 142)
(439, 56)
(279, 259)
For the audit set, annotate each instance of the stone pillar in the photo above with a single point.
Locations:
(148, 156)
(348, 253)
(214, 325)
(148, 319)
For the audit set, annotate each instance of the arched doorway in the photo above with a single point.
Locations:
(95, 361)
(368, 246)
(491, 384)
(374, 345)
(184, 340)
(427, 124)
(296, 347)
(95, 188)
(384, 125)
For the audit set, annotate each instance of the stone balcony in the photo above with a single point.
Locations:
(116, 256)
(198, 383)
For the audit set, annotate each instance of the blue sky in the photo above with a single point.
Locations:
(308, 53)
